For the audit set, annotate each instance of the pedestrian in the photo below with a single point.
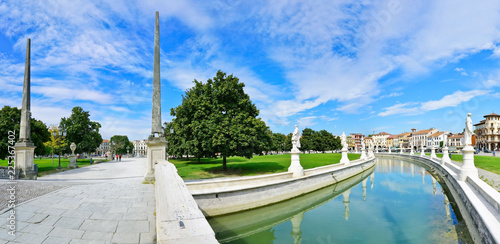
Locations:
(120, 157)
(117, 157)
(493, 153)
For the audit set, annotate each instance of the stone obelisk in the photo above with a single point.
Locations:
(24, 148)
(157, 145)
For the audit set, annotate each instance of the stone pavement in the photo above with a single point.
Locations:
(104, 203)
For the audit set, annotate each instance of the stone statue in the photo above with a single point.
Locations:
(371, 144)
(343, 141)
(468, 131)
(296, 138)
(363, 142)
(73, 148)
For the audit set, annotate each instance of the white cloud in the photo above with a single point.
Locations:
(461, 71)
(307, 121)
(414, 108)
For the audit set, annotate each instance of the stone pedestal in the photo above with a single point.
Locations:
(344, 159)
(295, 166)
(468, 168)
(23, 160)
(401, 151)
(376, 149)
(446, 157)
(72, 161)
(433, 152)
(157, 148)
(370, 153)
(363, 154)
(411, 151)
(389, 150)
(422, 152)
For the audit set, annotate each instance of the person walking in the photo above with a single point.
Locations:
(120, 157)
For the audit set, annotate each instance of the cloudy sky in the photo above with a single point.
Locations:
(339, 65)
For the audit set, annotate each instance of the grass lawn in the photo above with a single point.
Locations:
(487, 163)
(239, 166)
(45, 166)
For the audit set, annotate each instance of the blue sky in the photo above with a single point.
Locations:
(353, 66)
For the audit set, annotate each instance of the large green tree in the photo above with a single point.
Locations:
(120, 144)
(82, 131)
(218, 117)
(10, 119)
(308, 140)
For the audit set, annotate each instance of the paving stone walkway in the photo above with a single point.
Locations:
(104, 203)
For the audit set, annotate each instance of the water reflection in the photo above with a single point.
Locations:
(399, 209)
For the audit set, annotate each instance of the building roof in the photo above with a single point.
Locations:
(492, 115)
(368, 138)
(382, 134)
(480, 122)
(393, 137)
(105, 140)
(436, 134)
(421, 132)
(459, 135)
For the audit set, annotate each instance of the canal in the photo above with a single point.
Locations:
(395, 201)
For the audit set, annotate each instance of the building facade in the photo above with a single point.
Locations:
(380, 139)
(456, 140)
(103, 148)
(140, 148)
(488, 132)
(357, 140)
(421, 137)
(436, 139)
(404, 140)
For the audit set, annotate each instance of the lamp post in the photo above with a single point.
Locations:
(61, 132)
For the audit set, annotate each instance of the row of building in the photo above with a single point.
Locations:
(487, 136)
(140, 148)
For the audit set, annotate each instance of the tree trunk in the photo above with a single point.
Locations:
(199, 159)
(224, 167)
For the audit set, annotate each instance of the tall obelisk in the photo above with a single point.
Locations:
(24, 148)
(157, 145)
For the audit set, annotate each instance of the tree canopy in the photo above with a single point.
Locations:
(318, 141)
(218, 117)
(120, 144)
(82, 131)
(10, 119)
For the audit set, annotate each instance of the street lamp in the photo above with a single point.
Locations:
(61, 132)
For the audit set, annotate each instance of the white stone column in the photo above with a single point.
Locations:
(422, 152)
(411, 151)
(433, 152)
(344, 160)
(295, 166)
(468, 168)
(363, 154)
(401, 150)
(446, 157)
(389, 149)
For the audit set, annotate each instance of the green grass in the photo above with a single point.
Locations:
(487, 163)
(45, 166)
(239, 166)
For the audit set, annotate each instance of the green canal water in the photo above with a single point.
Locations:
(394, 202)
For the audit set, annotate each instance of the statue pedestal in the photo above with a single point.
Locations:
(72, 161)
(295, 166)
(401, 151)
(422, 152)
(370, 153)
(23, 160)
(157, 148)
(411, 151)
(389, 150)
(363, 154)
(468, 168)
(446, 157)
(433, 152)
(344, 159)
